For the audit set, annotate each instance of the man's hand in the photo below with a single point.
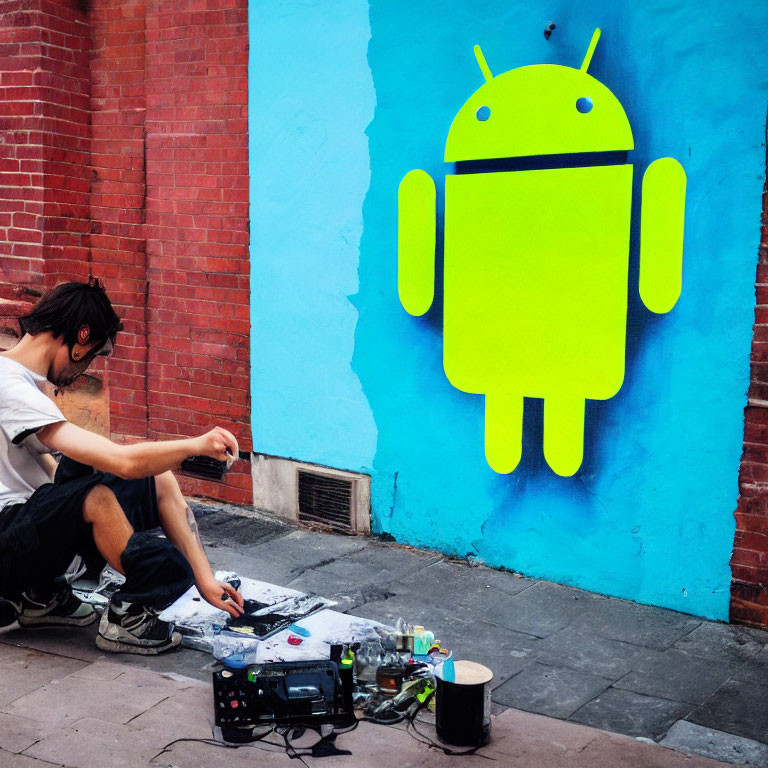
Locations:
(222, 595)
(219, 444)
(139, 459)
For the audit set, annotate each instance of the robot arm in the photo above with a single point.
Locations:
(417, 224)
(661, 234)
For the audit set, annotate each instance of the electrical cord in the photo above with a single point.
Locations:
(430, 742)
(410, 715)
(289, 733)
(326, 746)
(219, 743)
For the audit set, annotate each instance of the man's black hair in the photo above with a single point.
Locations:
(68, 307)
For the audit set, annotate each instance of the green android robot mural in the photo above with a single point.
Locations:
(536, 260)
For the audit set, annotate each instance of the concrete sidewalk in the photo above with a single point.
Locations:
(565, 662)
(63, 711)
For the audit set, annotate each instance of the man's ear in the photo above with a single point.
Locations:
(83, 335)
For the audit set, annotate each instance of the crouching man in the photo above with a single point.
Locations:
(101, 501)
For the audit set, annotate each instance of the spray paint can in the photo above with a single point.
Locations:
(463, 705)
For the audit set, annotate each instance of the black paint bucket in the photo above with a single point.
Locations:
(463, 705)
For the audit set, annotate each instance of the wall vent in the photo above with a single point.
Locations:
(326, 500)
(312, 494)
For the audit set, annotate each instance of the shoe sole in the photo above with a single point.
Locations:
(43, 622)
(116, 646)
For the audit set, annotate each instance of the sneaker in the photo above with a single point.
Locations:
(133, 628)
(63, 609)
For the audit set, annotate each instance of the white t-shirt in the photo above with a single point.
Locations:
(24, 408)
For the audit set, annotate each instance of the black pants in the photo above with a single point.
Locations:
(41, 537)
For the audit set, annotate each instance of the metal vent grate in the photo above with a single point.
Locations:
(325, 500)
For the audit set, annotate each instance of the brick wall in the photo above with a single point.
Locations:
(118, 239)
(749, 563)
(197, 222)
(44, 151)
(125, 156)
(21, 149)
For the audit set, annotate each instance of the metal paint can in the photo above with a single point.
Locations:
(463, 705)
(389, 679)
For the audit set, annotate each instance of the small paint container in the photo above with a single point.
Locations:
(389, 679)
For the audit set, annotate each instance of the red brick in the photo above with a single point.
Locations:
(753, 541)
(749, 613)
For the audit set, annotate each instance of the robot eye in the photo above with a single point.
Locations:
(584, 104)
(483, 113)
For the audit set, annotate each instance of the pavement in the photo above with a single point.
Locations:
(580, 680)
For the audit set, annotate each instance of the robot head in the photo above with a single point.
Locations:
(544, 109)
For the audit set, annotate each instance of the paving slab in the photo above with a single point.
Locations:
(91, 742)
(611, 751)
(282, 559)
(444, 624)
(192, 706)
(553, 691)
(18, 733)
(679, 676)
(309, 549)
(64, 701)
(718, 745)
(542, 609)
(79, 644)
(736, 708)
(10, 760)
(644, 625)
(517, 725)
(260, 562)
(24, 670)
(526, 740)
(238, 528)
(584, 650)
(75, 643)
(181, 661)
(504, 652)
(723, 642)
(460, 586)
(364, 575)
(630, 713)
(754, 668)
(198, 755)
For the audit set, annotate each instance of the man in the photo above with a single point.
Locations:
(101, 500)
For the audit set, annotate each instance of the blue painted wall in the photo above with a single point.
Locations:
(311, 97)
(348, 96)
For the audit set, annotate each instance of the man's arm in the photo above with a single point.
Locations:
(137, 460)
(48, 463)
(184, 533)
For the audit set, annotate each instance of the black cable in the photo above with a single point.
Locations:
(289, 748)
(422, 738)
(227, 744)
(450, 752)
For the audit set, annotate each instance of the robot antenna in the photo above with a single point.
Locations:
(590, 51)
(483, 64)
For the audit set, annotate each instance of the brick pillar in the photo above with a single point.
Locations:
(749, 563)
(65, 105)
(21, 151)
(118, 242)
(44, 153)
(197, 225)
